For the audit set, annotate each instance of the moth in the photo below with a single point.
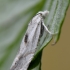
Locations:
(30, 41)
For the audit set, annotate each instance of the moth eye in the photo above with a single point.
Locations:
(40, 14)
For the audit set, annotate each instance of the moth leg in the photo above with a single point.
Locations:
(53, 34)
(47, 29)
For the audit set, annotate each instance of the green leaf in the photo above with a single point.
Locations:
(14, 18)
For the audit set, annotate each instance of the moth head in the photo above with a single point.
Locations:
(44, 13)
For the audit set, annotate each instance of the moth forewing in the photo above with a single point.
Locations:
(30, 42)
(28, 45)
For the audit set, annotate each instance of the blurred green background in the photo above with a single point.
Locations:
(57, 57)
